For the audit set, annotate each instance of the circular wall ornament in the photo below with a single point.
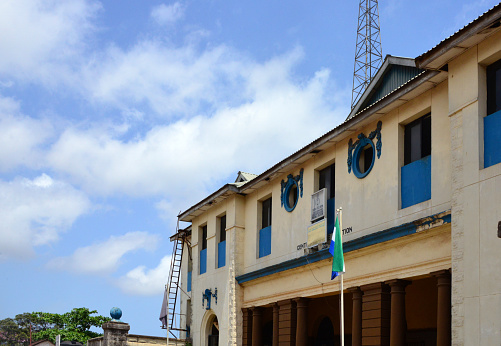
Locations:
(291, 190)
(291, 195)
(359, 170)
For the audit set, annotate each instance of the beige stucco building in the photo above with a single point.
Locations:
(416, 169)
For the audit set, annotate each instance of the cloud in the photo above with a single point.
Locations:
(146, 282)
(22, 135)
(105, 257)
(168, 15)
(40, 39)
(169, 81)
(34, 213)
(181, 158)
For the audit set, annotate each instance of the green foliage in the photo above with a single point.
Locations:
(74, 326)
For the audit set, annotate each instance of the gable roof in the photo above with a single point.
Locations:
(395, 72)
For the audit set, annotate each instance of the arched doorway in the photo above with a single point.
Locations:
(213, 331)
(325, 333)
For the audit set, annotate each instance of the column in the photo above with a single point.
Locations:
(302, 321)
(375, 314)
(257, 333)
(286, 323)
(443, 307)
(247, 327)
(275, 324)
(115, 333)
(356, 322)
(398, 323)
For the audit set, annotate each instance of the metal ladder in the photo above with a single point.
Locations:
(174, 278)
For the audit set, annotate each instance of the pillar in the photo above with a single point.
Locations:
(115, 333)
(398, 322)
(275, 324)
(286, 323)
(356, 322)
(247, 327)
(375, 314)
(302, 321)
(257, 333)
(443, 307)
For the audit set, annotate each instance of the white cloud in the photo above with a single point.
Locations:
(142, 281)
(167, 15)
(34, 212)
(172, 82)
(40, 38)
(181, 158)
(22, 136)
(105, 257)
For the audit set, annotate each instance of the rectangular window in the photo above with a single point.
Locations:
(416, 173)
(492, 122)
(221, 245)
(266, 213)
(417, 139)
(327, 180)
(265, 232)
(203, 251)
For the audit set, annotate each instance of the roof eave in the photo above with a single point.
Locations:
(484, 21)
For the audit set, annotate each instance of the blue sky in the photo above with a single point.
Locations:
(116, 115)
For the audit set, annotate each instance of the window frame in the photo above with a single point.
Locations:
(423, 124)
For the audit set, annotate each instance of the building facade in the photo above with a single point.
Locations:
(416, 169)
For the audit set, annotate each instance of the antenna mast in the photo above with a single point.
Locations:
(368, 53)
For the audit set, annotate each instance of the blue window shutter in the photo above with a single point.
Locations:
(203, 261)
(265, 242)
(189, 281)
(331, 215)
(492, 139)
(416, 182)
(221, 254)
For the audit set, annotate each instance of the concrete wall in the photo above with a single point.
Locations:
(476, 280)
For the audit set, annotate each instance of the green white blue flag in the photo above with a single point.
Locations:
(336, 250)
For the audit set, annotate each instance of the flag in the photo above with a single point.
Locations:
(164, 312)
(336, 250)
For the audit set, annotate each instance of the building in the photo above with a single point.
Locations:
(416, 168)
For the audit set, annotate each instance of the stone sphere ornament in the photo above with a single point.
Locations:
(115, 314)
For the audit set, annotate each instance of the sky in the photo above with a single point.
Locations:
(117, 115)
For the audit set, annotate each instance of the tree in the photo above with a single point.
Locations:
(74, 325)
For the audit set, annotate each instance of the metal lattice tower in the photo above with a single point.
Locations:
(368, 53)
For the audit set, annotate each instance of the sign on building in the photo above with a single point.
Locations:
(317, 233)
(319, 205)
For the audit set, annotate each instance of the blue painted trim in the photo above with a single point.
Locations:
(286, 196)
(416, 182)
(221, 254)
(203, 261)
(352, 245)
(356, 158)
(286, 187)
(189, 282)
(265, 241)
(492, 136)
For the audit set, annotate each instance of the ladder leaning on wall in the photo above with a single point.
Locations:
(179, 239)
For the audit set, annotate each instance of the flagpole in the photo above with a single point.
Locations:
(342, 275)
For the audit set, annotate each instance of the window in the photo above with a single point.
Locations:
(326, 179)
(265, 232)
(417, 139)
(416, 173)
(492, 122)
(221, 245)
(266, 213)
(203, 251)
(494, 87)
